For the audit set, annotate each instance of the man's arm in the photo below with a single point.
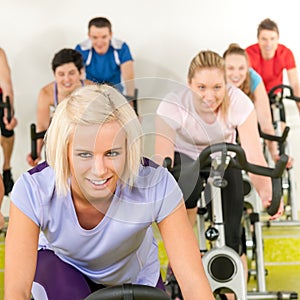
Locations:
(127, 73)
(5, 77)
(294, 83)
(7, 90)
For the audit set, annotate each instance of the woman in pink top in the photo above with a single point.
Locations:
(210, 111)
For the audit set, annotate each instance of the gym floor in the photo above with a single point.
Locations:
(282, 259)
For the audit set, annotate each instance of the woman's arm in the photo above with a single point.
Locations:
(21, 246)
(164, 141)
(250, 141)
(263, 111)
(184, 255)
(264, 117)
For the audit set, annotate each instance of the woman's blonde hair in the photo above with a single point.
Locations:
(209, 60)
(246, 85)
(87, 106)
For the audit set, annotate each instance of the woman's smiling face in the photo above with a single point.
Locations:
(209, 84)
(97, 157)
(236, 69)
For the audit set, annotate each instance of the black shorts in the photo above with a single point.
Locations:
(232, 197)
(4, 131)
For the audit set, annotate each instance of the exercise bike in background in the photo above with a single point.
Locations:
(223, 265)
(277, 95)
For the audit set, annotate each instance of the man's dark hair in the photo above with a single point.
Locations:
(267, 24)
(67, 55)
(100, 22)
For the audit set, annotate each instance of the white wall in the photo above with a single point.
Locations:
(163, 36)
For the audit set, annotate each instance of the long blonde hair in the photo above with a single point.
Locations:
(209, 60)
(91, 105)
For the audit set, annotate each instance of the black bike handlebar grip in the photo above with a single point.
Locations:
(34, 155)
(8, 107)
(280, 139)
(276, 196)
(271, 93)
(130, 292)
(167, 163)
(241, 161)
(134, 100)
(293, 97)
(280, 166)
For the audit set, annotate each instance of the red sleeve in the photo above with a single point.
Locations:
(253, 53)
(287, 57)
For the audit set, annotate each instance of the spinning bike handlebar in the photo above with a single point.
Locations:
(129, 292)
(272, 95)
(241, 161)
(34, 137)
(204, 160)
(134, 100)
(280, 139)
(7, 105)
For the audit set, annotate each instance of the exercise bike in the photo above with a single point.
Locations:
(276, 96)
(254, 245)
(223, 265)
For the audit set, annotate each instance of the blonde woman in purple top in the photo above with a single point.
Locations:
(83, 219)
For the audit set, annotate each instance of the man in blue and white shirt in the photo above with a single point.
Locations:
(107, 59)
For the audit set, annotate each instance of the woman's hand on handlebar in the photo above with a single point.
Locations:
(32, 162)
(289, 164)
(267, 203)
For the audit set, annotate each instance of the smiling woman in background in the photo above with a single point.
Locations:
(249, 81)
(67, 67)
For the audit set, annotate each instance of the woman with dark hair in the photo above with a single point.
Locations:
(68, 70)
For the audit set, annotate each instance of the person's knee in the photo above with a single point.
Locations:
(7, 133)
